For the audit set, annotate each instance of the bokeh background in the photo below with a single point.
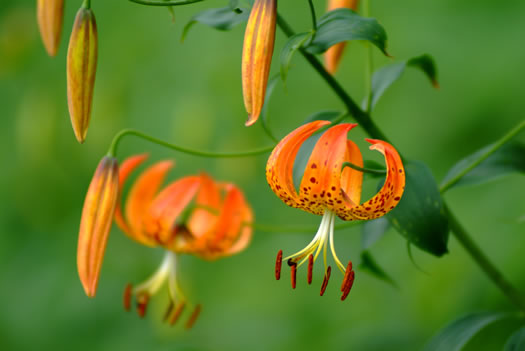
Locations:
(190, 94)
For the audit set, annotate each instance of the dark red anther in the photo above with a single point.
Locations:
(278, 264)
(293, 267)
(128, 292)
(177, 313)
(142, 304)
(326, 278)
(193, 317)
(168, 311)
(347, 274)
(348, 286)
(310, 268)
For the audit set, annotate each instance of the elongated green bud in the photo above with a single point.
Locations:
(81, 69)
(50, 16)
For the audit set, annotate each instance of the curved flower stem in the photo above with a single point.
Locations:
(86, 4)
(165, 2)
(512, 133)
(371, 128)
(118, 137)
(364, 170)
(360, 116)
(483, 261)
(314, 17)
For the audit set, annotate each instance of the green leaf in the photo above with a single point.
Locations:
(516, 341)
(224, 18)
(292, 45)
(420, 215)
(506, 160)
(384, 77)
(372, 231)
(456, 335)
(369, 265)
(344, 24)
(326, 115)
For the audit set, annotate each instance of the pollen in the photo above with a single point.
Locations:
(293, 267)
(128, 291)
(193, 317)
(142, 304)
(325, 281)
(310, 268)
(278, 264)
(178, 311)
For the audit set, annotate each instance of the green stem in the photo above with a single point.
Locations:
(359, 115)
(86, 4)
(314, 17)
(369, 70)
(165, 2)
(361, 169)
(483, 157)
(483, 261)
(118, 137)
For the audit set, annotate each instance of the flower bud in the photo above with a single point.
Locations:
(81, 69)
(95, 224)
(257, 54)
(333, 55)
(50, 16)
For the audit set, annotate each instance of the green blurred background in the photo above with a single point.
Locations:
(190, 94)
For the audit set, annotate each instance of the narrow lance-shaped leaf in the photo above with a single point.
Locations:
(292, 45)
(372, 231)
(224, 18)
(50, 16)
(370, 265)
(517, 341)
(384, 77)
(81, 69)
(344, 24)
(506, 160)
(420, 215)
(457, 334)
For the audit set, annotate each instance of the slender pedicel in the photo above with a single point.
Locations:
(278, 264)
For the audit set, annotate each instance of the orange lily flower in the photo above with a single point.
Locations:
(193, 215)
(333, 55)
(259, 39)
(328, 190)
(97, 215)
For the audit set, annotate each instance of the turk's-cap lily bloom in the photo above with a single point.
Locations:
(50, 16)
(333, 55)
(330, 190)
(193, 215)
(81, 69)
(257, 54)
(95, 224)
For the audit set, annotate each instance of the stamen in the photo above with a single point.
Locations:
(142, 304)
(168, 311)
(326, 278)
(310, 268)
(193, 317)
(348, 286)
(293, 266)
(177, 313)
(347, 275)
(278, 264)
(127, 297)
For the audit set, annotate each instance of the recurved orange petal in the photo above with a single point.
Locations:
(245, 236)
(279, 169)
(168, 206)
(140, 198)
(388, 197)
(207, 207)
(128, 166)
(321, 184)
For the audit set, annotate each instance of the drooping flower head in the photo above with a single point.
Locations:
(330, 190)
(192, 215)
(259, 39)
(334, 54)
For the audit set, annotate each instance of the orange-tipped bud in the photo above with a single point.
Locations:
(50, 16)
(97, 216)
(333, 55)
(257, 54)
(81, 69)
